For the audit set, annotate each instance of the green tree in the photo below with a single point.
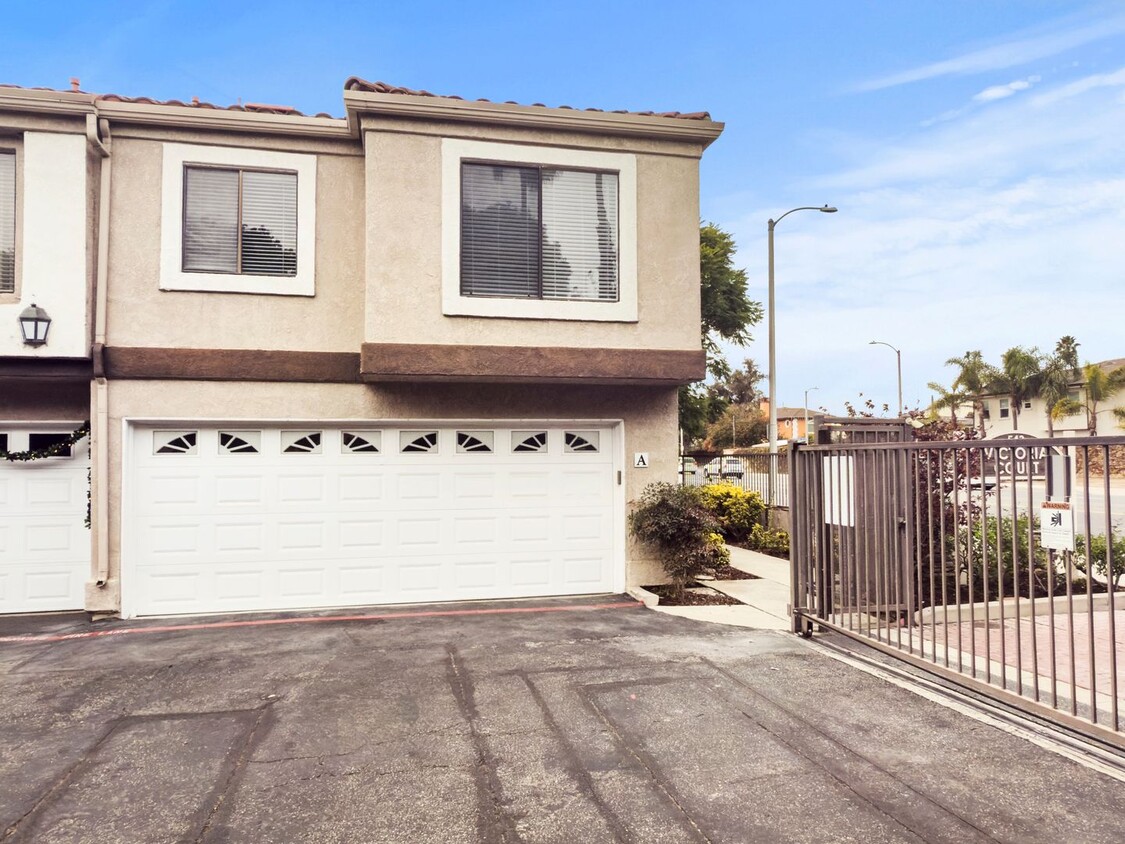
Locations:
(725, 315)
(950, 400)
(1018, 378)
(972, 382)
(739, 425)
(1058, 370)
(741, 386)
(1100, 385)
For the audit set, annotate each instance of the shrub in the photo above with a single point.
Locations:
(685, 536)
(1007, 547)
(775, 542)
(1099, 553)
(738, 511)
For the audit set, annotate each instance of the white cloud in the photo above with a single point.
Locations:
(1005, 228)
(1000, 92)
(1020, 49)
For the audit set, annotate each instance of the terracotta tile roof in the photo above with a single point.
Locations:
(357, 84)
(194, 102)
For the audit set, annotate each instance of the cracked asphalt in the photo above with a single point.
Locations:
(614, 725)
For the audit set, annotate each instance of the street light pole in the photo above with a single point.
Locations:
(827, 209)
(809, 390)
(898, 357)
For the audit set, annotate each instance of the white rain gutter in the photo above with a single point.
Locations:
(97, 133)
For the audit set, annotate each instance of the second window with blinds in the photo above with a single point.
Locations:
(238, 221)
(538, 232)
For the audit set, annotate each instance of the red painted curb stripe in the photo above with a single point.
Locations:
(263, 622)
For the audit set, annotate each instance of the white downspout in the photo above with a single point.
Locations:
(97, 133)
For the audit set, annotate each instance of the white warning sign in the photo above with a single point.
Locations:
(640, 459)
(1056, 525)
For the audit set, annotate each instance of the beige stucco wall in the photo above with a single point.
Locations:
(404, 249)
(379, 252)
(141, 314)
(648, 415)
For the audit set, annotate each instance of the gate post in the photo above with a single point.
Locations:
(798, 544)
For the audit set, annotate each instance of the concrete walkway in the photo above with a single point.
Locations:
(765, 600)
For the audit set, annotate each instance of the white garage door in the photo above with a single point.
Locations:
(254, 517)
(44, 543)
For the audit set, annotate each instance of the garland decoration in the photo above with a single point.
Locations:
(59, 448)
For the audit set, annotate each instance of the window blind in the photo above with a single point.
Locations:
(269, 223)
(240, 221)
(7, 222)
(580, 235)
(542, 233)
(499, 231)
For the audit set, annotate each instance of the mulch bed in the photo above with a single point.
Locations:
(691, 599)
(729, 572)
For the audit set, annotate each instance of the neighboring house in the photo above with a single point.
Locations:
(999, 415)
(403, 356)
(47, 180)
(790, 420)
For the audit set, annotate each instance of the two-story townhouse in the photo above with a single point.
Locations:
(407, 355)
(49, 172)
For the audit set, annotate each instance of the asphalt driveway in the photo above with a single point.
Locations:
(548, 724)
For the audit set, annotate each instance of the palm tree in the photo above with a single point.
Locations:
(971, 382)
(1056, 374)
(950, 398)
(1100, 385)
(1018, 377)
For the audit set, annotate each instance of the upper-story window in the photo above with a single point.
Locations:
(7, 221)
(1004, 411)
(538, 232)
(532, 232)
(238, 220)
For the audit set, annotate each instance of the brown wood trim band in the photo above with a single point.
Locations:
(45, 369)
(525, 364)
(230, 364)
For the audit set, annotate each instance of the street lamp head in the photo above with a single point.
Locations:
(829, 209)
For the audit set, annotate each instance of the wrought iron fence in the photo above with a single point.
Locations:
(998, 563)
(748, 471)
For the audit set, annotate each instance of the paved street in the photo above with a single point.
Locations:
(554, 721)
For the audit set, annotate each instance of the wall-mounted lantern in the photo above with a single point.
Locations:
(35, 323)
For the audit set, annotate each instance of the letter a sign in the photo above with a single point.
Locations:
(640, 459)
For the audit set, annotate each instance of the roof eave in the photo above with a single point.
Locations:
(702, 132)
(193, 117)
(46, 102)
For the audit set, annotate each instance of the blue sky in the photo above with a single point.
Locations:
(975, 149)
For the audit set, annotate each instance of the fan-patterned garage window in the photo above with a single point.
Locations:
(475, 442)
(580, 441)
(529, 442)
(300, 442)
(360, 442)
(174, 442)
(240, 442)
(418, 442)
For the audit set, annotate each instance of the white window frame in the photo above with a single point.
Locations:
(14, 150)
(172, 275)
(456, 150)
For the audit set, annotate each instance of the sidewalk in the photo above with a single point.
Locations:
(765, 600)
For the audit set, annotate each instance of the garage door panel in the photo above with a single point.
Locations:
(301, 489)
(447, 520)
(244, 490)
(359, 487)
(362, 535)
(581, 570)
